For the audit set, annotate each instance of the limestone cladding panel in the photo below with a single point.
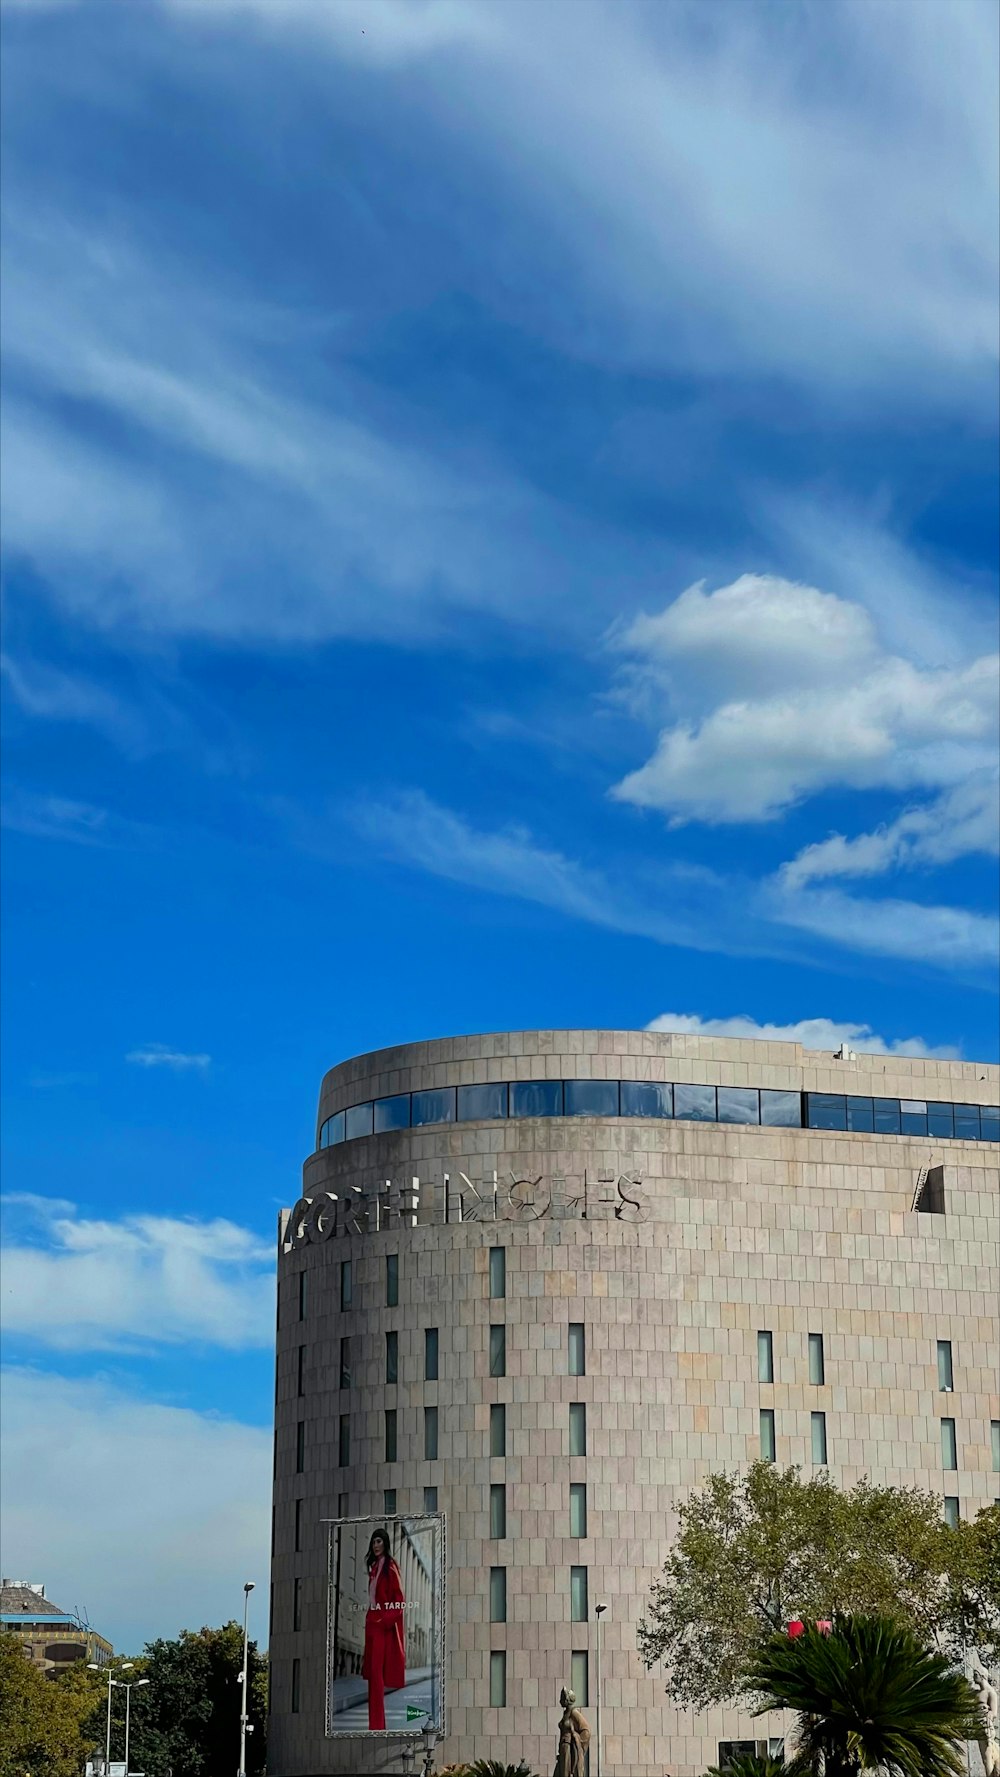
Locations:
(789, 1231)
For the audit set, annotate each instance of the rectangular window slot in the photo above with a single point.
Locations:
(498, 1680)
(498, 1273)
(817, 1433)
(498, 1351)
(579, 1611)
(498, 1429)
(498, 1594)
(430, 1434)
(767, 1444)
(817, 1362)
(430, 1354)
(765, 1357)
(498, 1511)
(578, 1428)
(946, 1372)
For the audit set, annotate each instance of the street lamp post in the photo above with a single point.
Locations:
(126, 1666)
(128, 1689)
(247, 1589)
(599, 1610)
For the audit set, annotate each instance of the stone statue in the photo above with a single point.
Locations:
(574, 1739)
(989, 1706)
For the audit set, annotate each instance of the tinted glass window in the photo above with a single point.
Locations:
(333, 1131)
(498, 1430)
(765, 1357)
(577, 1349)
(433, 1107)
(579, 1672)
(479, 1104)
(781, 1110)
(344, 1441)
(646, 1098)
(392, 1113)
(498, 1594)
(391, 1425)
(430, 1354)
(989, 1119)
(578, 1609)
(817, 1364)
(951, 1511)
(949, 1445)
(767, 1434)
(946, 1374)
(826, 1110)
(536, 1098)
(886, 1116)
(430, 1499)
(392, 1357)
(358, 1121)
(578, 1428)
(591, 1098)
(695, 1103)
(389, 1501)
(913, 1116)
(738, 1104)
(578, 1508)
(345, 1363)
(498, 1680)
(498, 1272)
(498, 1351)
(498, 1510)
(967, 1122)
(818, 1438)
(941, 1119)
(860, 1115)
(430, 1434)
(346, 1283)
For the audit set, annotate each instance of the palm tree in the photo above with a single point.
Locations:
(761, 1764)
(869, 1696)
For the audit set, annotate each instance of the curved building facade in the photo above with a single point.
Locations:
(546, 1282)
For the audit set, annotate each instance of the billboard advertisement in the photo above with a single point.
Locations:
(385, 1625)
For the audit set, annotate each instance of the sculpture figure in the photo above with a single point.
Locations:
(989, 1706)
(574, 1739)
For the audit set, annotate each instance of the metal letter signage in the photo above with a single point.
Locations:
(605, 1195)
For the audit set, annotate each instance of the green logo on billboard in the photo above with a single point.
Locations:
(411, 1713)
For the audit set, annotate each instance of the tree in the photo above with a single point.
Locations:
(756, 1550)
(869, 1696)
(186, 1719)
(40, 1732)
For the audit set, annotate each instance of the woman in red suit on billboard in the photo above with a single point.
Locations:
(384, 1663)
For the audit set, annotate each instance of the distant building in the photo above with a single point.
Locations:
(52, 1637)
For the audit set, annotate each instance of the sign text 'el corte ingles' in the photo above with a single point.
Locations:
(600, 1195)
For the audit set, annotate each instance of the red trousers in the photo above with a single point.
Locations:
(382, 1663)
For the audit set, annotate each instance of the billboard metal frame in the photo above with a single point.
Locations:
(438, 1624)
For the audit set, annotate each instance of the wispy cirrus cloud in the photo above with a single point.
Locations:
(76, 1283)
(812, 1033)
(161, 1055)
(960, 823)
(676, 905)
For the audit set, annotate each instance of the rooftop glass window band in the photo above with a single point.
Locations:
(651, 1098)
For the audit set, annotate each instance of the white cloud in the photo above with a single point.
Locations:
(677, 904)
(74, 1283)
(732, 197)
(160, 1055)
(56, 817)
(51, 695)
(961, 822)
(779, 691)
(170, 1506)
(812, 1033)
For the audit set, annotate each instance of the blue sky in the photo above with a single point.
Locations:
(500, 511)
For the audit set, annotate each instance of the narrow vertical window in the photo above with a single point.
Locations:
(297, 1603)
(946, 1373)
(389, 1501)
(498, 1429)
(498, 1594)
(498, 1351)
(498, 1273)
(296, 1683)
(498, 1511)
(995, 1442)
(578, 1508)
(579, 1675)
(817, 1427)
(298, 1526)
(765, 1357)
(392, 1357)
(430, 1434)
(346, 1284)
(300, 1447)
(303, 1294)
(949, 1445)
(767, 1448)
(498, 1680)
(300, 1381)
(577, 1349)
(345, 1363)
(392, 1280)
(430, 1354)
(578, 1608)
(430, 1499)
(951, 1511)
(344, 1440)
(817, 1362)
(390, 1434)
(578, 1428)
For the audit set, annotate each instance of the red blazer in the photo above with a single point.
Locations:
(384, 1640)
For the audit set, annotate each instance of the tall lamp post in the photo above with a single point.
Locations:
(128, 1689)
(247, 1589)
(599, 1610)
(126, 1666)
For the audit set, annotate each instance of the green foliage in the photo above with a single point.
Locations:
(869, 1696)
(756, 1550)
(187, 1719)
(40, 1731)
(758, 1764)
(487, 1767)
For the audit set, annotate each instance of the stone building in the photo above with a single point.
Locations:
(52, 1637)
(581, 1270)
